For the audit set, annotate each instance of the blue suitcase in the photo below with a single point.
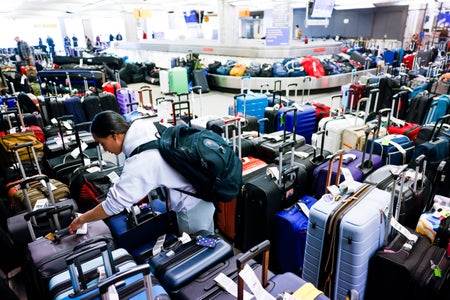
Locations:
(81, 280)
(136, 283)
(137, 229)
(251, 104)
(439, 107)
(306, 121)
(74, 107)
(341, 238)
(395, 149)
(180, 264)
(290, 237)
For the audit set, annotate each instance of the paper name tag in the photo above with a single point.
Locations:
(230, 286)
(250, 278)
(159, 245)
(113, 177)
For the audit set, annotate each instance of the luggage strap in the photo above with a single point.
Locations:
(307, 292)
(400, 149)
(332, 231)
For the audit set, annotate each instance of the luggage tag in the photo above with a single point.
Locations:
(206, 242)
(230, 286)
(113, 177)
(252, 281)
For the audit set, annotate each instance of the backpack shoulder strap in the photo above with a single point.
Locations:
(152, 144)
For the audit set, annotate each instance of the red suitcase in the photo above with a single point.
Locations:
(396, 126)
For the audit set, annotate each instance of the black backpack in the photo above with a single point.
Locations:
(203, 157)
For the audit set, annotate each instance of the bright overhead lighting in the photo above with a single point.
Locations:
(354, 6)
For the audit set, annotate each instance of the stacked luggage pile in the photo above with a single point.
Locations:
(346, 200)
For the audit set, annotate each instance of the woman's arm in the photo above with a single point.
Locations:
(95, 214)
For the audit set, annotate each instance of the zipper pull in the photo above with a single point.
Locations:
(436, 270)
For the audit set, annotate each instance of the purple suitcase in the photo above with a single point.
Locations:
(352, 161)
(126, 98)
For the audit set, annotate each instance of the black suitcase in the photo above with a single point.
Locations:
(200, 80)
(205, 287)
(264, 196)
(108, 101)
(415, 193)
(409, 270)
(91, 106)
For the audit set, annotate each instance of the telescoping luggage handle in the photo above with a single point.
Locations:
(367, 165)
(263, 249)
(144, 269)
(287, 144)
(306, 85)
(436, 130)
(338, 155)
(160, 193)
(141, 92)
(381, 113)
(75, 259)
(28, 145)
(396, 99)
(197, 89)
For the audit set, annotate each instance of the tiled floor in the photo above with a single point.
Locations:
(212, 103)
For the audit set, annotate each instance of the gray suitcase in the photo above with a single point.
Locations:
(341, 238)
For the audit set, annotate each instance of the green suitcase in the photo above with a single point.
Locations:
(178, 80)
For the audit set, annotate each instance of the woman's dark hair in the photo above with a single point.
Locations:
(108, 122)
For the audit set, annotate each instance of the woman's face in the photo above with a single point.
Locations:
(112, 143)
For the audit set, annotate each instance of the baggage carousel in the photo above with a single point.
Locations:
(162, 51)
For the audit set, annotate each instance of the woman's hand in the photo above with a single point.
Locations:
(75, 225)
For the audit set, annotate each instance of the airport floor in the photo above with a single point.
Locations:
(212, 103)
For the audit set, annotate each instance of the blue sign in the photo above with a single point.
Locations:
(277, 36)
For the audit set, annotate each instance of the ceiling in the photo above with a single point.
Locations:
(101, 8)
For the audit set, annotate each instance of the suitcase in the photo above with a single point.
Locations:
(280, 286)
(414, 194)
(263, 196)
(139, 275)
(436, 149)
(395, 149)
(418, 107)
(111, 87)
(83, 281)
(205, 286)
(138, 228)
(333, 128)
(164, 81)
(47, 256)
(199, 78)
(108, 101)
(178, 80)
(250, 104)
(91, 106)
(60, 285)
(305, 123)
(146, 90)
(440, 106)
(267, 146)
(180, 264)
(409, 269)
(396, 126)
(341, 238)
(126, 98)
(288, 245)
(74, 107)
(225, 214)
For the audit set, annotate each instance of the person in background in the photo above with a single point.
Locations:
(24, 51)
(67, 45)
(142, 173)
(89, 45)
(51, 46)
(75, 40)
(298, 32)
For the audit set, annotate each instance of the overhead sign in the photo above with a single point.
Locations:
(277, 36)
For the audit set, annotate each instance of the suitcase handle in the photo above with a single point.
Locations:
(340, 113)
(288, 90)
(436, 130)
(396, 99)
(381, 113)
(375, 91)
(73, 262)
(351, 95)
(339, 154)
(262, 248)
(144, 269)
(141, 96)
(179, 107)
(306, 84)
(367, 165)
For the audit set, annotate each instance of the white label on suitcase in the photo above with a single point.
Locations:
(113, 177)
(250, 278)
(230, 286)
